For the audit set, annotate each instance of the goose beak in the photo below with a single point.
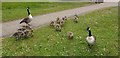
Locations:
(88, 28)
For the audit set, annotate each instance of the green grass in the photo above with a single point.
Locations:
(47, 42)
(17, 10)
(0, 47)
(25, 0)
(0, 12)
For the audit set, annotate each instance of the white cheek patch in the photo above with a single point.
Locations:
(89, 28)
(30, 16)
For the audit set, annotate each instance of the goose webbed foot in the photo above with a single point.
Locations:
(89, 46)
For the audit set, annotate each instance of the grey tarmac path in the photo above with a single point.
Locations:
(8, 28)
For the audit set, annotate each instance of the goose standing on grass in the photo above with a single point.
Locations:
(58, 27)
(70, 35)
(76, 18)
(90, 38)
(19, 34)
(28, 19)
(58, 20)
(52, 23)
(64, 18)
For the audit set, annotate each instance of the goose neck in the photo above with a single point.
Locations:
(89, 31)
(28, 11)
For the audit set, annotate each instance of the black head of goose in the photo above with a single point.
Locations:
(90, 38)
(29, 14)
(28, 19)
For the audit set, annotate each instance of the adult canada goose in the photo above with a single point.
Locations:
(90, 38)
(28, 19)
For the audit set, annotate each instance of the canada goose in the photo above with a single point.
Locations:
(70, 35)
(28, 19)
(58, 20)
(19, 34)
(24, 24)
(52, 23)
(58, 27)
(90, 38)
(24, 31)
(62, 23)
(65, 17)
(28, 33)
(76, 18)
(28, 28)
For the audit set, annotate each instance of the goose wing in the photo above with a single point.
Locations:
(26, 20)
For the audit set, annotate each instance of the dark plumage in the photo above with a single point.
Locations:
(76, 18)
(24, 32)
(90, 38)
(62, 23)
(19, 34)
(70, 35)
(25, 20)
(58, 20)
(52, 23)
(65, 17)
(58, 27)
(28, 19)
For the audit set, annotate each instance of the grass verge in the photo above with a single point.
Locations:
(17, 10)
(47, 42)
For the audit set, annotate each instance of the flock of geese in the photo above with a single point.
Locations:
(26, 31)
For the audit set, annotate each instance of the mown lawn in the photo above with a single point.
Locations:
(47, 42)
(25, 0)
(0, 12)
(17, 10)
